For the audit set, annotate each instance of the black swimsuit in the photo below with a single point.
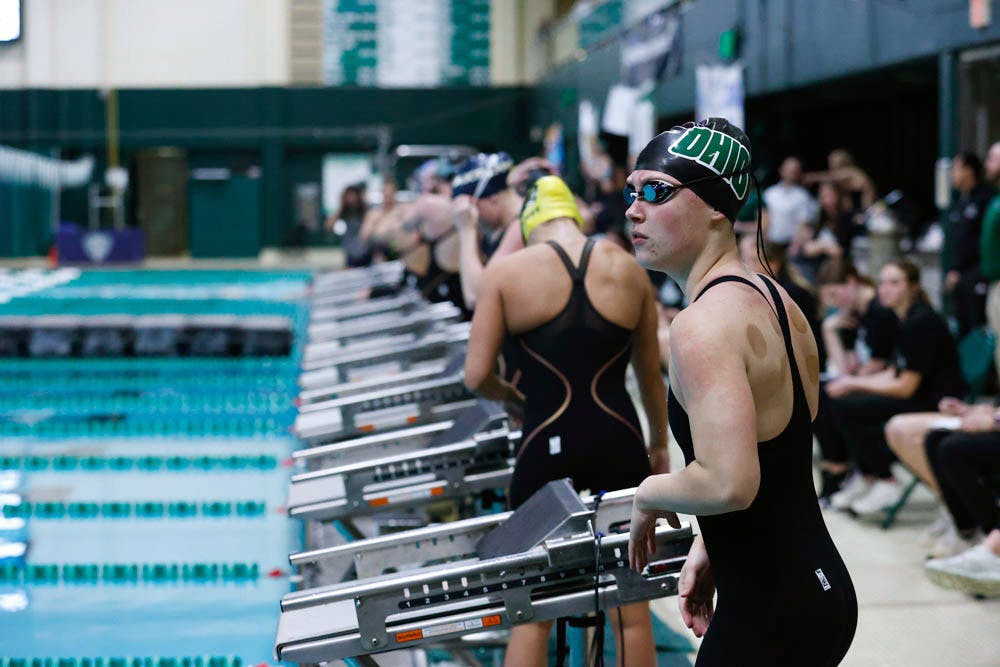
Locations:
(438, 284)
(579, 420)
(785, 596)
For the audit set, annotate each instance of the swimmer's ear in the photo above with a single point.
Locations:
(718, 216)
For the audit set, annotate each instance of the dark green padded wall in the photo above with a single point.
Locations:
(285, 131)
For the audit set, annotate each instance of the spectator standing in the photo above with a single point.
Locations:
(789, 205)
(964, 279)
(347, 224)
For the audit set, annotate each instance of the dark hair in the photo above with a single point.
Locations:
(912, 273)
(972, 161)
(347, 209)
(838, 270)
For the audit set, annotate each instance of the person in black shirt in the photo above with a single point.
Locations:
(925, 370)
(963, 279)
(859, 337)
(861, 334)
(829, 237)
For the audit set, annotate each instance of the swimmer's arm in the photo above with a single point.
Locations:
(887, 383)
(646, 363)
(369, 223)
(470, 265)
(485, 340)
(711, 372)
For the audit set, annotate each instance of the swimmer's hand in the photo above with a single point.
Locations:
(464, 214)
(696, 589)
(642, 535)
(518, 176)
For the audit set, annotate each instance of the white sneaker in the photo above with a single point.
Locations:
(942, 524)
(951, 544)
(975, 571)
(854, 488)
(883, 493)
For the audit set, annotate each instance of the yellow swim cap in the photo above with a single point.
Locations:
(549, 198)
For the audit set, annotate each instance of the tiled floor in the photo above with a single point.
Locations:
(903, 619)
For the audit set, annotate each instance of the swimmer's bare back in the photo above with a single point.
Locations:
(617, 287)
(433, 215)
(737, 313)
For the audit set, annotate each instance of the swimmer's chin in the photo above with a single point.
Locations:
(646, 259)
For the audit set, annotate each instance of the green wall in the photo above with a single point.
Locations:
(284, 131)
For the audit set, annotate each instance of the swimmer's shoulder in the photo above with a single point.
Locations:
(716, 319)
(501, 270)
(704, 322)
(618, 264)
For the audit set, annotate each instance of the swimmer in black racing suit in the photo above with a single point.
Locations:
(578, 312)
(744, 381)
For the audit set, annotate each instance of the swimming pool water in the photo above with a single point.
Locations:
(152, 491)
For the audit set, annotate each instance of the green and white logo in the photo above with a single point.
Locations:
(716, 151)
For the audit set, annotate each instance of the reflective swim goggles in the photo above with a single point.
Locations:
(653, 192)
(660, 192)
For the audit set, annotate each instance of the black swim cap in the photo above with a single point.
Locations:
(713, 152)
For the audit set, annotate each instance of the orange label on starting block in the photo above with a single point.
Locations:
(412, 420)
(366, 428)
(447, 629)
(409, 636)
(437, 491)
(378, 502)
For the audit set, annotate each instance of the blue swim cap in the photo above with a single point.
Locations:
(483, 175)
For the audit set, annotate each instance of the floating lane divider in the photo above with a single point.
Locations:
(217, 403)
(138, 510)
(109, 425)
(117, 573)
(193, 661)
(68, 463)
(133, 366)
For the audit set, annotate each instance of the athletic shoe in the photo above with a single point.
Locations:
(832, 483)
(975, 571)
(942, 524)
(951, 543)
(883, 493)
(855, 487)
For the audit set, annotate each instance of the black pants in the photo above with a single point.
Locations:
(831, 443)
(966, 466)
(859, 421)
